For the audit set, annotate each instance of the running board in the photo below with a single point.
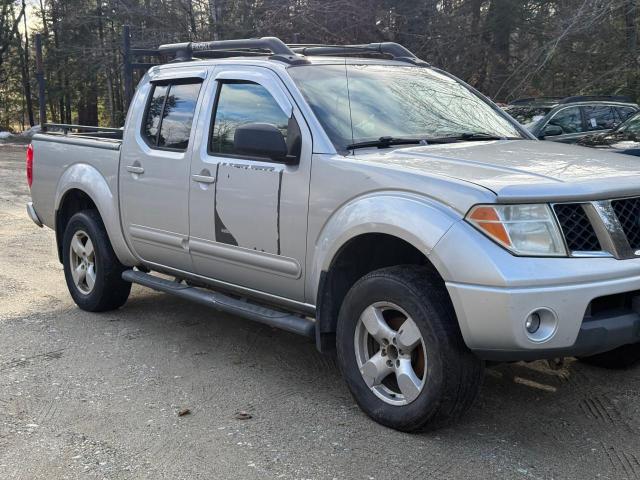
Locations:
(219, 301)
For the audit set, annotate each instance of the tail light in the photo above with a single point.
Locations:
(30, 165)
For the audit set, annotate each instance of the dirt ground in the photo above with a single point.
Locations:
(97, 395)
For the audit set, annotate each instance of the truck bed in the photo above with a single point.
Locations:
(64, 160)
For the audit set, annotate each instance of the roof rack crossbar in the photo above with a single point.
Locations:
(184, 51)
(392, 49)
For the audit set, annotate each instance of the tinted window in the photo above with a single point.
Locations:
(178, 116)
(569, 119)
(154, 111)
(170, 115)
(240, 103)
(600, 117)
(625, 112)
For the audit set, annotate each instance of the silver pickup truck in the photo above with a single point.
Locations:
(358, 196)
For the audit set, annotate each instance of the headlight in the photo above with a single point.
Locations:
(529, 230)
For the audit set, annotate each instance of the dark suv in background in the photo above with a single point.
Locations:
(568, 119)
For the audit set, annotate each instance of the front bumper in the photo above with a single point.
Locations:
(493, 293)
(493, 320)
(33, 215)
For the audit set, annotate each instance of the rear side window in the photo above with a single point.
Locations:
(240, 103)
(169, 115)
(154, 112)
(600, 117)
(625, 112)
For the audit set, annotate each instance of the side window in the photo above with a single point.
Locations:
(600, 117)
(625, 112)
(240, 103)
(170, 115)
(154, 113)
(569, 119)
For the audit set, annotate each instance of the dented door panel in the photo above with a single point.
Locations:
(248, 227)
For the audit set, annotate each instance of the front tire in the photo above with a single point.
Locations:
(619, 358)
(401, 352)
(91, 268)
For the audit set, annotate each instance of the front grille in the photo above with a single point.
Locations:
(628, 212)
(576, 227)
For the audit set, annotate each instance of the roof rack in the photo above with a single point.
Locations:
(588, 98)
(183, 52)
(392, 49)
(573, 99)
(523, 101)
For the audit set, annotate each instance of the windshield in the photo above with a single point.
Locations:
(528, 116)
(394, 101)
(631, 127)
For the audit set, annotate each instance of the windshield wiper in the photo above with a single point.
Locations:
(471, 136)
(385, 142)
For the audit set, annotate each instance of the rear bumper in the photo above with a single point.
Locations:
(33, 215)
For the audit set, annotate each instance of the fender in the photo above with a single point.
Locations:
(415, 219)
(89, 180)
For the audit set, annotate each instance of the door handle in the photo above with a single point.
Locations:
(135, 169)
(203, 178)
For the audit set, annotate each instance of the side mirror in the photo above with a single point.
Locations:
(551, 131)
(262, 140)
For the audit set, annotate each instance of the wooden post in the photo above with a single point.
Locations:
(40, 77)
(128, 69)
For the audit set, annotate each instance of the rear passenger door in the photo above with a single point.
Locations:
(600, 117)
(249, 213)
(154, 171)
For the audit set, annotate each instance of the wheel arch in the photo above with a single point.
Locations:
(371, 233)
(82, 186)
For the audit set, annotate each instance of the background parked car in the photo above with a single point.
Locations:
(623, 139)
(568, 119)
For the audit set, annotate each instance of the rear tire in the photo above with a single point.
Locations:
(91, 268)
(446, 376)
(622, 357)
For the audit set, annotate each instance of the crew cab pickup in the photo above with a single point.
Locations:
(369, 201)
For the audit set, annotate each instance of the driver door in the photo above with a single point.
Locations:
(248, 214)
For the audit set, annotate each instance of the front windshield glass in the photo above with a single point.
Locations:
(631, 127)
(528, 116)
(394, 101)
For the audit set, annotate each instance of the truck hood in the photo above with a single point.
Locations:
(523, 170)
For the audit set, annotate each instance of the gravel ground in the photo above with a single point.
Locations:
(97, 395)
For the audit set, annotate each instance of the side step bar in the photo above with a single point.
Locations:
(219, 301)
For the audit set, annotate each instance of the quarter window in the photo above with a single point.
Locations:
(240, 103)
(569, 119)
(170, 115)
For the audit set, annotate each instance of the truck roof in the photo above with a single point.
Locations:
(265, 61)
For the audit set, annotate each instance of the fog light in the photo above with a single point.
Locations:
(532, 324)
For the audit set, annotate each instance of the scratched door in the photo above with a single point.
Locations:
(248, 216)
